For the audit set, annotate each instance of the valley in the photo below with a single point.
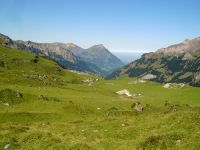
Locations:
(99, 75)
(44, 106)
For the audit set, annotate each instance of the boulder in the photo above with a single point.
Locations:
(137, 106)
(149, 77)
(173, 85)
(167, 85)
(124, 92)
(6, 146)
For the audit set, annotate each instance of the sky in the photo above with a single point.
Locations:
(121, 25)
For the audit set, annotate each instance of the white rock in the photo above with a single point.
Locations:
(167, 85)
(123, 125)
(138, 107)
(6, 146)
(6, 104)
(124, 92)
(181, 85)
(149, 77)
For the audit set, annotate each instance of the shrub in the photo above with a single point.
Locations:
(9, 96)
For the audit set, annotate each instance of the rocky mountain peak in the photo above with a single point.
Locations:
(96, 59)
(181, 48)
(72, 45)
(99, 46)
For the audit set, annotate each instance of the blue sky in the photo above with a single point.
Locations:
(121, 25)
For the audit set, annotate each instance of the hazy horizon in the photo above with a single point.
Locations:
(127, 57)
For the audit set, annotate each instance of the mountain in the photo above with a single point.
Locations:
(181, 48)
(101, 57)
(176, 63)
(69, 55)
(73, 48)
(44, 106)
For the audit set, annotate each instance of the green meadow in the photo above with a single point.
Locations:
(46, 107)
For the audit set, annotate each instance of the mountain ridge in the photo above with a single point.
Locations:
(176, 63)
(183, 47)
(67, 54)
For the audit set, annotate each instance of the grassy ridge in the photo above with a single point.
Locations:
(58, 111)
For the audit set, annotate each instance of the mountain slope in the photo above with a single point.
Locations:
(101, 57)
(43, 106)
(58, 51)
(22, 67)
(184, 47)
(177, 63)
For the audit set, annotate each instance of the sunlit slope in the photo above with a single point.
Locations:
(43, 106)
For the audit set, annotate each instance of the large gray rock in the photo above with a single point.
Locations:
(124, 92)
(149, 77)
(137, 106)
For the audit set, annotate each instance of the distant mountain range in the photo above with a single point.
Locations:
(176, 63)
(95, 60)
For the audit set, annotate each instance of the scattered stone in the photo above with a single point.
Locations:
(178, 142)
(19, 95)
(6, 104)
(181, 85)
(6, 146)
(173, 85)
(137, 106)
(167, 85)
(123, 125)
(98, 108)
(90, 81)
(87, 81)
(173, 108)
(124, 92)
(137, 95)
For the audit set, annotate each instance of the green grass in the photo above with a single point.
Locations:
(58, 111)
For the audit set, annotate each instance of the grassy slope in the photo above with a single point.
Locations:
(70, 117)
